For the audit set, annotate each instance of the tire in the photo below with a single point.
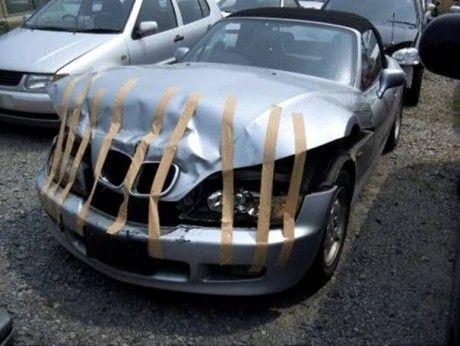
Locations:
(328, 255)
(395, 133)
(412, 94)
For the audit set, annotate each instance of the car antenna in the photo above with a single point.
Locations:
(393, 29)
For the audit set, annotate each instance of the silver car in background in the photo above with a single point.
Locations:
(74, 36)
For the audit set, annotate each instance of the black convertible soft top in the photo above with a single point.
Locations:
(330, 17)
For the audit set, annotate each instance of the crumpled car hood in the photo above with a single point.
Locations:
(326, 107)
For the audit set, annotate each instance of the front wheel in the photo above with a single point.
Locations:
(412, 94)
(335, 230)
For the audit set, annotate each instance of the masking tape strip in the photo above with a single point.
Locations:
(74, 122)
(227, 151)
(294, 188)
(94, 110)
(106, 143)
(266, 189)
(139, 157)
(154, 246)
(62, 110)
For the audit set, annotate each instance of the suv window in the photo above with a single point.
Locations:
(205, 10)
(290, 3)
(191, 10)
(19, 6)
(160, 11)
(371, 59)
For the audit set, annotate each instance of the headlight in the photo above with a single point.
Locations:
(38, 82)
(247, 203)
(407, 56)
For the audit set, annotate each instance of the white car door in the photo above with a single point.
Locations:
(196, 20)
(158, 47)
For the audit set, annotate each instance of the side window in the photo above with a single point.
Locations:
(160, 11)
(190, 10)
(290, 3)
(371, 59)
(205, 10)
(19, 6)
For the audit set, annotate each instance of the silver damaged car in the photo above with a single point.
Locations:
(233, 171)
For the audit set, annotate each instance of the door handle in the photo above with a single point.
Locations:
(178, 38)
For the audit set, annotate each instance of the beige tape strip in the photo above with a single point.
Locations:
(62, 110)
(266, 189)
(294, 188)
(154, 245)
(106, 143)
(227, 151)
(94, 110)
(74, 122)
(139, 157)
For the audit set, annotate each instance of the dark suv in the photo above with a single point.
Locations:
(400, 23)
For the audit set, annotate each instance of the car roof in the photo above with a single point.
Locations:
(330, 17)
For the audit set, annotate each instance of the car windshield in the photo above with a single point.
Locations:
(231, 6)
(312, 49)
(98, 16)
(378, 11)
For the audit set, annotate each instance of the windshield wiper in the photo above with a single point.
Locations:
(46, 28)
(99, 31)
(401, 22)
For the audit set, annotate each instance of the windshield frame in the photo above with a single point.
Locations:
(356, 47)
(75, 30)
(414, 2)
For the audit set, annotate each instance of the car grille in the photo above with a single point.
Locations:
(10, 78)
(116, 167)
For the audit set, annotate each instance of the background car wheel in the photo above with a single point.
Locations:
(412, 95)
(393, 137)
(335, 230)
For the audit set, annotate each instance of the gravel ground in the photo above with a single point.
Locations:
(392, 286)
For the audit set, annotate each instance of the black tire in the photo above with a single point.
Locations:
(323, 266)
(395, 133)
(412, 95)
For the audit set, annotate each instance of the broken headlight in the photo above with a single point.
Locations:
(204, 204)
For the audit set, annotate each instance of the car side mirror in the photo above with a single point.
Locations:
(455, 9)
(440, 46)
(390, 78)
(181, 52)
(431, 7)
(147, 29)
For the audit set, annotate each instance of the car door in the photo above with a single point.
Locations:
(196, 20)
(158, 47)
(372, 67)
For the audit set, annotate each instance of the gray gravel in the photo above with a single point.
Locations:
(392, 286)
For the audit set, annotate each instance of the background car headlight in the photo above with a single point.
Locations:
(407, 56)
(37, 82)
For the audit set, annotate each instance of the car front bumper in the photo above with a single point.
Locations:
(192, 253)
(26, 108)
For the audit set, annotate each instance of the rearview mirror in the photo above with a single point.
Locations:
(181, 52)
(390, 78)
(147, 28)
(440, 46)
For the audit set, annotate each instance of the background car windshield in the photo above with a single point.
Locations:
(379, 11)
(311, 49)
(240, 5)
(82, 15)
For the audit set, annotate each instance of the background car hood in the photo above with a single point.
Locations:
(402, 33)
(41, 51)
(326, 108)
